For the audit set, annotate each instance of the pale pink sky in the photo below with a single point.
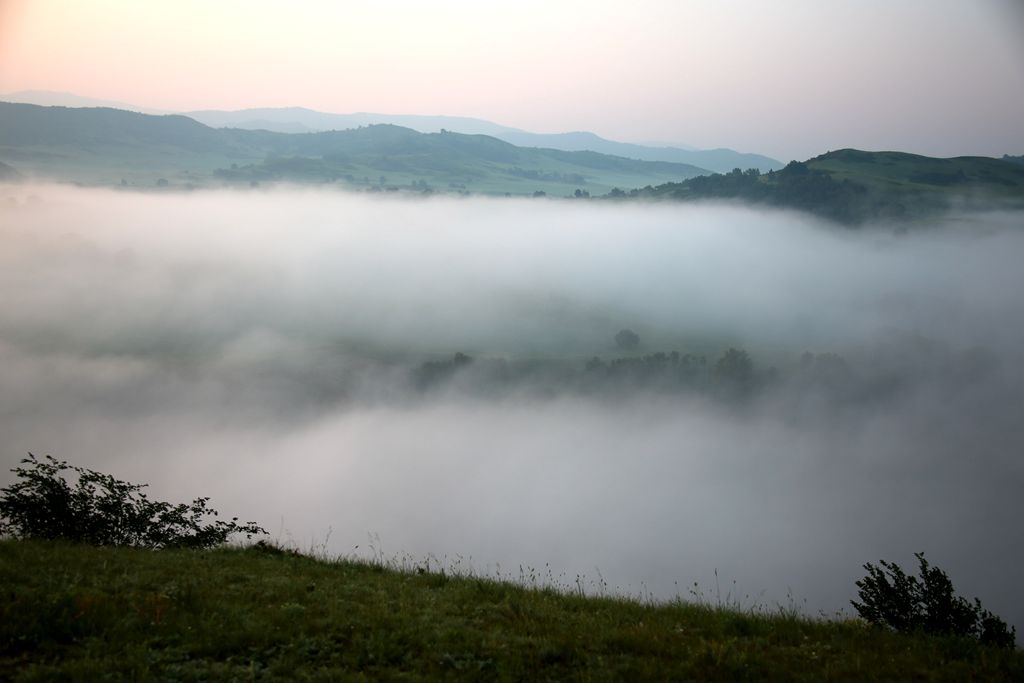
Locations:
(791, 78)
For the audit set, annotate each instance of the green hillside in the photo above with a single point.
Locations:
(851, 186)
(105, 146)
(100, 146)
(901, 172)
(71, 612)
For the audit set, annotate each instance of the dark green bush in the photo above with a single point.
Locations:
(101, 510)
(891, 598)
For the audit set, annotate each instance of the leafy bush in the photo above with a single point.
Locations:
(101, 510)
(891, 598)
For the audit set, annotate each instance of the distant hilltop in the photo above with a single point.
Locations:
(106, 146)
(302, 120)
(296, 120)
(853, 186)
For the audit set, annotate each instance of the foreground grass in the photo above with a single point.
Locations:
(71, 612)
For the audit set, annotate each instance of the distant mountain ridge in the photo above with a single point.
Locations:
(297, 119)
(50, 98)
(104, 146)
(718, 160)
(312, 121)
(303, 120)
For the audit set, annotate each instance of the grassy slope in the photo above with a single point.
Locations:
(102, 146)
(900, 185)
(852, 186)
(77, 613)
(899, 171)
(446, 160)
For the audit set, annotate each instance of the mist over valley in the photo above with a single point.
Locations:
(444, 375)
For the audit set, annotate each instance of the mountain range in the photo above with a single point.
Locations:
(104, 146)
(302, 120)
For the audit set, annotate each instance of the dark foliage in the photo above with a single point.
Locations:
(627, 340)
(733, 377)
(736, 366)
(101, 510)
(891, 598)
(434, 372)
(796, 186)
(553, 176)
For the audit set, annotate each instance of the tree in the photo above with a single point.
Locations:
(101, 510)
(891, 598)
(735, 366)
(627, 340)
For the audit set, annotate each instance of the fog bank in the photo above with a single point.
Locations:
(261, 348)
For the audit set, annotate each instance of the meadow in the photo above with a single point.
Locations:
(73, 612)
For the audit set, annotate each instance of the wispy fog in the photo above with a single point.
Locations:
(290, 354)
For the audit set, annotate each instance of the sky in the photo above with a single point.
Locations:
(790, 79)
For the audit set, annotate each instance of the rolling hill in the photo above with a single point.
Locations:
(853, 186)
(76, 612)
(303, 120)
(106, 146)
(53, 98)
(297, 119)
(902, 172)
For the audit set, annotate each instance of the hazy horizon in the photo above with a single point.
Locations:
(787, 80)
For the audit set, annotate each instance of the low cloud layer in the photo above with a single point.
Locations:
(262, 348)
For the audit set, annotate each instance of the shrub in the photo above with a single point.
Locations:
(101, 510)
(891, 598)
